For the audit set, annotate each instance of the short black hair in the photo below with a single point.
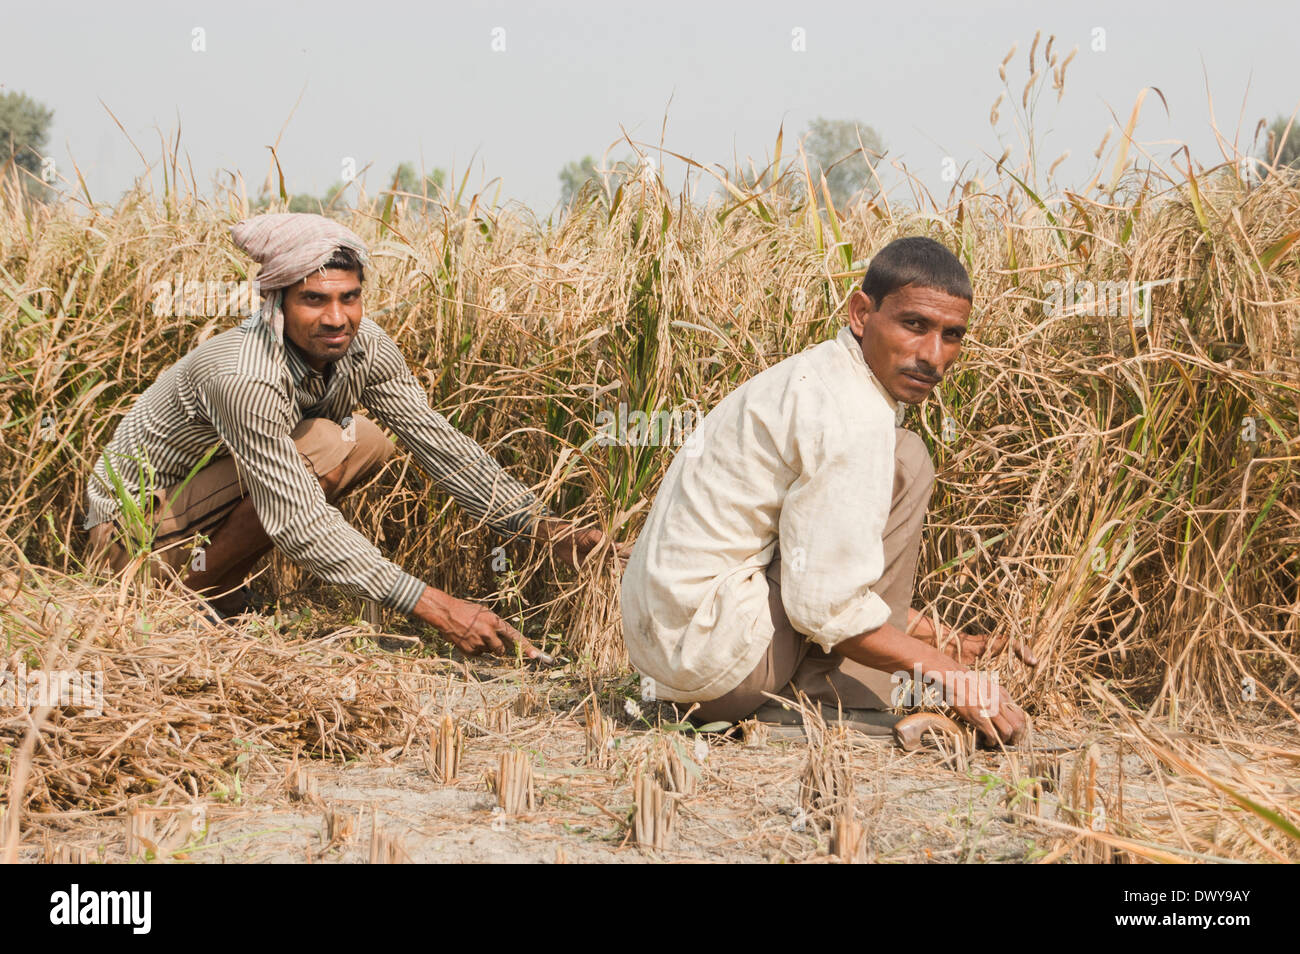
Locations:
(347, 260)
(915, 260)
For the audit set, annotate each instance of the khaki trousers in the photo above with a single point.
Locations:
(202, 505)
(793, 662)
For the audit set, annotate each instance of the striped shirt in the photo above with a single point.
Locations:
(247, 390)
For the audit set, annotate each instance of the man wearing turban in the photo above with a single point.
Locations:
(250, 440)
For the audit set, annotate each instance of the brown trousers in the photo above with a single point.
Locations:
(793, 662)
(202, 505)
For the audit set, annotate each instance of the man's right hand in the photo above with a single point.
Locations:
(987, 707)
(474, 629)
(890, 650)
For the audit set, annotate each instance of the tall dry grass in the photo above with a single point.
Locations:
(1095, 491)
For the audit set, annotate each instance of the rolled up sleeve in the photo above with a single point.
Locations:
(832, 528)
(254, 420)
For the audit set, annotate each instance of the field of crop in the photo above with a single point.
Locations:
(1116, 485)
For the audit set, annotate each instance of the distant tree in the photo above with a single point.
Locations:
(574, 176)
(332, 194)
(304, 203)
(830, 140)
(577, 174)
(299, 202)
(1289, 146)
(406, 189)
(24, 129)
(407, 179)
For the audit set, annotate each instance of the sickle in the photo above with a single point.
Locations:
(909, 732)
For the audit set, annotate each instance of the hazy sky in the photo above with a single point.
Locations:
(383, 82)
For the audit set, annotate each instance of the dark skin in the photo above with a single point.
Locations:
(321, 316)
(909, 340)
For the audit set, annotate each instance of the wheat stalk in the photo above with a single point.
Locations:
(443, 756)
(513, 782)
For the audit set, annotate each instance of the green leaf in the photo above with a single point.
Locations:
(1270, 254)
(714, 727)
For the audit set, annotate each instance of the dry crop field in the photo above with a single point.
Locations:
(1116, 486)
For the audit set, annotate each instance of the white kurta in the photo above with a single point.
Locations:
(800, 456)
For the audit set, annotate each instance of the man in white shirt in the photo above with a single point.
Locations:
(781, 549)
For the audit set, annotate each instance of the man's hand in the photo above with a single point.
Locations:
(976, 648)
(962, 646)
(986, 706)
(571, 545)
(971, 694)
(473, 628)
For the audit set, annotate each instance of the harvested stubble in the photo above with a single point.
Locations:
(599, 735)
(827, 787)
(662, 774)
(64, 855)
(826, 784)
(1208, 795)
(386, 848)
(848, 841)
(676, 770)
(340, 826)
(653, 810)
(158, 832)
(1083, 805)
(445, 743)
(188, 708)
(513, 783)
(302, 784)
(527, 702)
(497, 720)
(755, 733)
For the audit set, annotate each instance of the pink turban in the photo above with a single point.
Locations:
(291, 245)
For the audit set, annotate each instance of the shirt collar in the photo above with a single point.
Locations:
(298, 368)
(854, 347)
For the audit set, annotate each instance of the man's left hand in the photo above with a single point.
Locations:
(572, 545)
(977, 648)
(965, 648)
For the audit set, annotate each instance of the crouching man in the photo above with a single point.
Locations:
(275, 397)
(780, 552)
